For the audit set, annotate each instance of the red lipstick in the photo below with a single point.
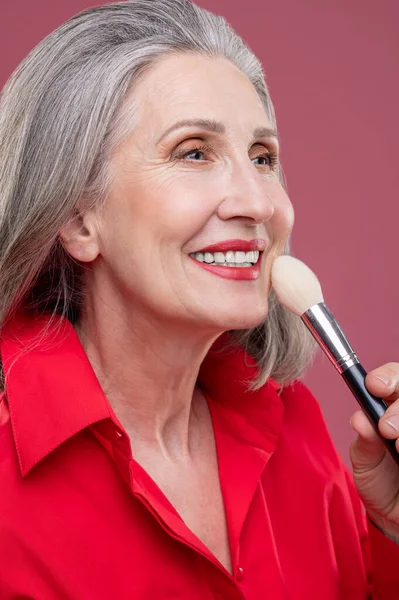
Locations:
(236, 246)
(237, 273)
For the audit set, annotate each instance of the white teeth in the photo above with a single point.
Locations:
(228, 259)
(219, 257)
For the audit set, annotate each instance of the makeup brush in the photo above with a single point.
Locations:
(298, 288)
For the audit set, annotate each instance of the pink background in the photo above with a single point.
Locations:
(332, 68)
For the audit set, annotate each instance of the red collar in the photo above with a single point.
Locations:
(53, 393)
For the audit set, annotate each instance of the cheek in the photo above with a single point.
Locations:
(157, 216)
(283, 218)
(287, 218)
(177, 213)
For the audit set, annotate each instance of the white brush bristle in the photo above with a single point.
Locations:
(296, 286)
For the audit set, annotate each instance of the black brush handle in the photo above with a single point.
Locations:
(373, 407)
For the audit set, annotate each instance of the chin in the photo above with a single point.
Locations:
(240, 321)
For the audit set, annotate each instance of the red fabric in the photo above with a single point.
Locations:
(80, 519)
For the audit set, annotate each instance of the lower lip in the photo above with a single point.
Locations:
(237, 273)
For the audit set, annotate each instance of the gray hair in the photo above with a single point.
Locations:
(62, 114)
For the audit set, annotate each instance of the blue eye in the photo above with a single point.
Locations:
(195, 151)
(198, 151)
(261, 158)
(197, 154)
(270, 157)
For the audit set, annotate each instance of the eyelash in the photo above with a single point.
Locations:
(180, 155)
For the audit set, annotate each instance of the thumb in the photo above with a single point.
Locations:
(367, 450)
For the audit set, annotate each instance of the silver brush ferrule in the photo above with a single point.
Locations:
(328, 334)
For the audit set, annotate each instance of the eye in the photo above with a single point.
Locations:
(268, 159)
(195, 153)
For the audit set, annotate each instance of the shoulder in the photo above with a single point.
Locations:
(304, 424)
(4, 411)
(300, 403)
(3, 406)
(8, 456)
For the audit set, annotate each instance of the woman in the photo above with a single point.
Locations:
(154, 440)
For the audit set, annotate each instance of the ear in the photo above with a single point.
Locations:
(80, 237)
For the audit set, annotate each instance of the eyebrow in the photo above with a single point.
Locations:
(216, 127)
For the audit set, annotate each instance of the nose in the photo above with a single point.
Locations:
(246, 195)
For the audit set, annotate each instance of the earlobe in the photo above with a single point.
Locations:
(79, 238)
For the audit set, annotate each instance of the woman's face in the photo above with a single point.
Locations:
(197, 174)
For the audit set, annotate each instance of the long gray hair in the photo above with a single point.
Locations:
(62, 114)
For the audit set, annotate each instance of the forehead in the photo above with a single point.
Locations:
(186, 85)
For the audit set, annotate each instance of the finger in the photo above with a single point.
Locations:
(383, 382)
(389, 422)
(368, 450)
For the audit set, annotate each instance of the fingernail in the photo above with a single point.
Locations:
(385, 379)
(393, 422)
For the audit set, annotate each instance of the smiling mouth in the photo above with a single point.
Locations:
(237, 259)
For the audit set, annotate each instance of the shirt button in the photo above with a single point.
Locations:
(118, 434)
(239, 574)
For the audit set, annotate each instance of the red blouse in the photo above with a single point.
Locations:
(80, 519)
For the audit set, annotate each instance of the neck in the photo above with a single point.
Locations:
(148, 371)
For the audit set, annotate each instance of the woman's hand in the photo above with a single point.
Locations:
(375, 472)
